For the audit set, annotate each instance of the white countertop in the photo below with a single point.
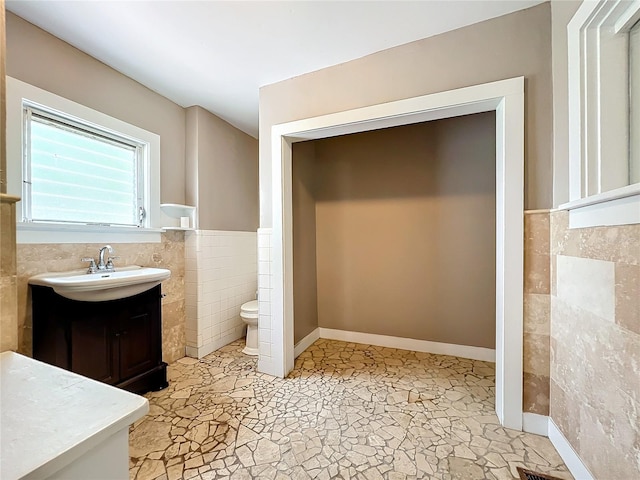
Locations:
(49, 417)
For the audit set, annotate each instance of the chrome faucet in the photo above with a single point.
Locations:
(102, 265)
(108, 266)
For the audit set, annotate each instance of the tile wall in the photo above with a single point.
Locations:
(265, 361)
(595, 344)
(220, 275)
(8, 277)
(537, 312)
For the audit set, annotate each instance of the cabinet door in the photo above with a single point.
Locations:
(93, 350)
(137, 353)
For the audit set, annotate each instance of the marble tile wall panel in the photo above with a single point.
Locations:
(536, 252)
(595, 345)
(169, 253)
(8, 313)
(8, 278)
(627, 293)
(537, 311)
(588, 284)
(221, 275)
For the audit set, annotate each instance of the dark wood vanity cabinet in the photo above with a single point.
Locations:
(117, 342)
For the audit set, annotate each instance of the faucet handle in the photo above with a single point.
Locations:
(92, 264)
(110, 265)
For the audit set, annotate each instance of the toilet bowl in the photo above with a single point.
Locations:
(249, 315)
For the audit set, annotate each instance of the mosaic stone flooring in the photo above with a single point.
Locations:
(346, 411)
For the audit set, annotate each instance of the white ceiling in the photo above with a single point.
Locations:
(217, 54)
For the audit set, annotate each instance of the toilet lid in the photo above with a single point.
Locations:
(250, 307)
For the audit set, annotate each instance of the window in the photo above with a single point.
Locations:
(634, 103)
(604, 114)
(77, 173)
(84, 176)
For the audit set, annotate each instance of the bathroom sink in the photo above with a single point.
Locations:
(102, 285)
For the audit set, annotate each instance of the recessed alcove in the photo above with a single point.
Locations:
(394, 232)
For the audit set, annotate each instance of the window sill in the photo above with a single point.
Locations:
(180, 229)
(616, 207)
(64, 233)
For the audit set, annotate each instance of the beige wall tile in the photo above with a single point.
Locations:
(618, 244)
(536, 373)
(619, 459)
(8, 280)
(7, 238)
(536, 273)
(588, 284)
(537, 313)
(628, 297)
(173, 330)
(8, 313)
(564, 412)
(553, 274)
(536, 354)
(536, 394)
(536, 232)
(559, 230)
(595, 392)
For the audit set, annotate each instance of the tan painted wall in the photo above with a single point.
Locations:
(228, 159)
(191, 157)
(305, 285)
(37, 57)
(405, 232)
(509, 46)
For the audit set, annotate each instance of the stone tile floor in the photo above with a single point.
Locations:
(346, 411)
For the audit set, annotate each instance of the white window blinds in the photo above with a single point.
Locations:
(75, 173)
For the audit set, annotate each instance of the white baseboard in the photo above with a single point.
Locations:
(565, 450)
(535, 423)
(306, 342)
(464, 351)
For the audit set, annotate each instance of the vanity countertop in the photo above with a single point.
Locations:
(50, 417)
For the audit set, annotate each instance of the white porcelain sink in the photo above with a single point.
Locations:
(101, 286)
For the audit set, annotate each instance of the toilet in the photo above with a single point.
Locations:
(249, 315)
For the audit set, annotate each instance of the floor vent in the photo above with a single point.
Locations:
(529, 475)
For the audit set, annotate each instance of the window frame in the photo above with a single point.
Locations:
(599, 137)
(20, 94)
(79, 127)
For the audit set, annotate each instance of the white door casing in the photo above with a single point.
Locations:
(506, 98)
